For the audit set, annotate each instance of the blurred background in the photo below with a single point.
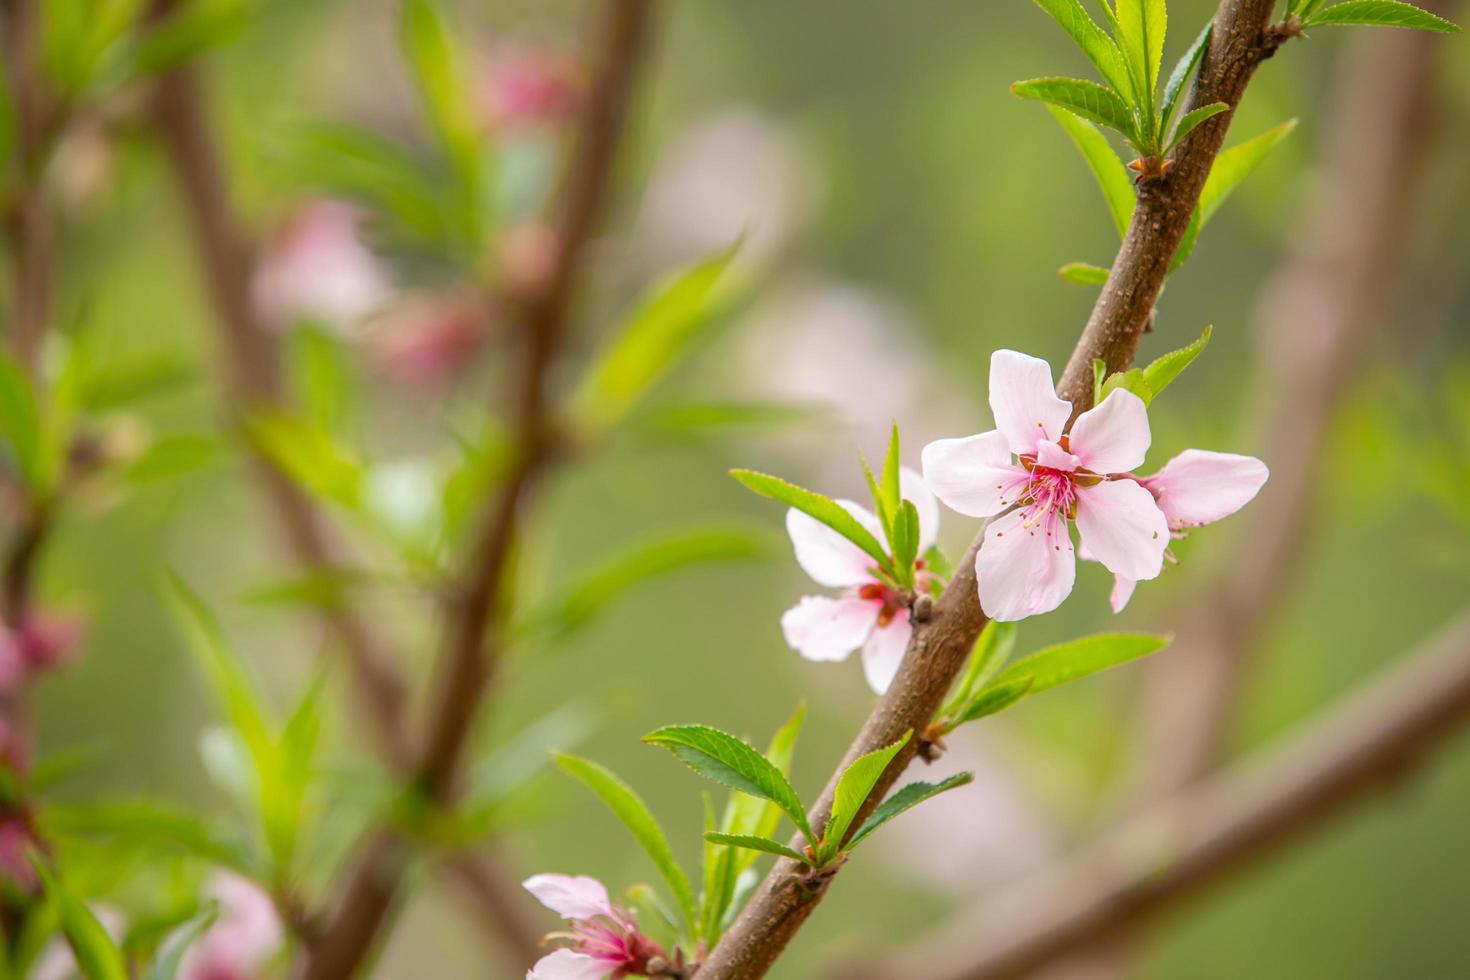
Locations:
(901, 215)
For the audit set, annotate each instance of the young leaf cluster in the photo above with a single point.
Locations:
(1148, 382)
(1303, 14)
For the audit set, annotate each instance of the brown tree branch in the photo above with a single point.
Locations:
(1183, 845)
(473, 641)
(938, 649)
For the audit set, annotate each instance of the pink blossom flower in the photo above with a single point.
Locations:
(870, 613)
(603, 942)
(244, 937)
(526, 87)
(319, 269)
(1026, 564)
(1195, 488)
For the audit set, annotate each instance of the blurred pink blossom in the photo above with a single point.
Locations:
(604, 940)
(319, 269)
(242, 940)
(526, 86)
(427, 340)
(44, 642)
(17, 839)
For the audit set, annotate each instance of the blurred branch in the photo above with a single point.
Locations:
(1183, 845)
(938, 649)
(474, 642)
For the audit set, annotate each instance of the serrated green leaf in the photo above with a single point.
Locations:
(1095, 43)
(1107, 169)
(1184, 70)
(629, 807)
(875, 492)
(1131, 380)
(823, 509)
(1230, 168)
(1086, 99)
(1192, 120)
(726, 759)
(906, 798)
(748, 842)
(659, 332)
(1068, 661)
(1387, 13)
(1083, 274)
(1141, 27)
(97, 955)
(1162, 371)
(853, 788)
(906, 541)
(993, 700)
(889, 484)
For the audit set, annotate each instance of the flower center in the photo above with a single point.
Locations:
(892, 599)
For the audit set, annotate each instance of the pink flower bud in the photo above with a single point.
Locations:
(319, 269)
(17, 840)
(428, 341)
(526, 87)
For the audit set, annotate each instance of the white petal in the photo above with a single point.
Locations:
(1112, 437)
(884, 651)
(566, 964)
(974, 475)
(569, 896)
(1121, 593)
(1025, 401)
(1024, 571)
(820, 628)
(913, 488)
(828, 557)
(1198, 487)
(1123, 528)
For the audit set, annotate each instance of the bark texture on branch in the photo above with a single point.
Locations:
(1369, 740)
(938, 650)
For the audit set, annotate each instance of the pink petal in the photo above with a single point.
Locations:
(1024, 401)
(884, 650)
(571, 897)
(566, 964)
(1121, 593)
(828, 557)
(1112, 437)
(1198, 487)
(1024, 571)
(820, 628)
(1123, 528)
(1053, 456)
(913, 488)
(974, 475)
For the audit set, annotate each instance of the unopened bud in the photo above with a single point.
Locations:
(924, 608)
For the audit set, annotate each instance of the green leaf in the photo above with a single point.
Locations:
(726, 759)
(1389, 13)
(991, 650)
(906, 541)
(756, 844)
(1163, 370)
(166, 965)
(1141, 28)
(97, 955)
(1083, 274)
(175, 456)
(191, 29)
(1107, 169)
(1100, 49)
(854, 787)
(629, 807)
(309, 456)
(321, 378)
(1184, 70)
(1086, 99)
(697, 418)
(427, 42)
(660, 331)
(578, 602)
(1132, 380)
(20, 423)
(1230, 168)
(824, 509)
(889, 485)
(992, 700)
(1192, 119)
(1099, 372)
(1065, 662)
(880, 503)
(143, 822)
(906, 798)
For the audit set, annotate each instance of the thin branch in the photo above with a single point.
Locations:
(1370, 740)
(938, 649)
(473, 641)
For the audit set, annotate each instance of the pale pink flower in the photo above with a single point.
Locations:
(870, 613)
(319, 269)
(1195, 488)
(603, 942)
(1057, 477)
(244, 937)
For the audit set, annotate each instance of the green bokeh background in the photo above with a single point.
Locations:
(929, 185)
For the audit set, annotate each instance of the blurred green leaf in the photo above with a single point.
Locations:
(120, 385)
(726, 759)
(1086, 99)
(906, 798)
(992, 700)
(1083, 274)
(1100, 49)
(321, 379)
(1388, 13)
(428, 43)
(824, 509)
(1230, 168)
(991, 650)
(764, 844)
(1069, 661)
(190, 28)
(166, 965)
(692, 418)
(175, 456)
(97, 955)
(309, 456)
(324, 588)
(659, 332)
(150, 823)
(1111, 176)
(629, 807)
(853, 788)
